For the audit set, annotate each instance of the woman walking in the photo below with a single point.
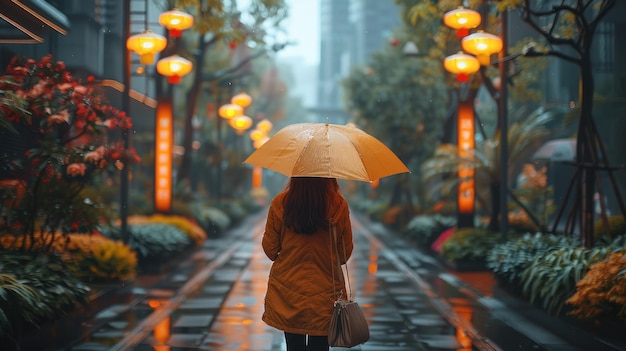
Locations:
(304, 281)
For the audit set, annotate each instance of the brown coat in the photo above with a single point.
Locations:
(300, 292)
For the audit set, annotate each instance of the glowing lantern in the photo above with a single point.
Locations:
(482, 45)
(242, 99)
(265, 125)
(462, 65)
(174, 67)
(230, 111)
(257, 134)
(240, 123)
(176, 22)
(462, 20)
(258, 143)
(146, 45)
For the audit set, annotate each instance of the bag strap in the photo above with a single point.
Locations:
(333, 243)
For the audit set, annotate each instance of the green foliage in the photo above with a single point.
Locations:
(57, 147)
(157, 240)
(424, 229)
(509, 260)
(213, 220)
(616, 227)
(469, 244)
(16, 300)
(601, 294)
(551, 278)
(58, 291)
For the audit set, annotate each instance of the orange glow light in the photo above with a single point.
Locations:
(265, 125)
(176, 22)
(462, 20)
(465, 130)
(230, 111)
(163, 157)
(240, 123)
(462, 65)
(174, 67)
(242, 99)
(482, 45)
(146, 45)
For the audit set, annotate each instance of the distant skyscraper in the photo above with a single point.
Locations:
(350, 30)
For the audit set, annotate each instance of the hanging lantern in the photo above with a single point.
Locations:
(240, 123)
(174, 67)
(265, 125)
(483, 45)
(257, 177)
(462, 20)
(146, 45)
(242, 99)
(176, 22)
(463, 65)
(258, 143)
(257, 134)
(230, 111)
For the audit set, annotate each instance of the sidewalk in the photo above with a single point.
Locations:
(213, 301)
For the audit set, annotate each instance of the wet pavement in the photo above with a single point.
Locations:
(212, 299)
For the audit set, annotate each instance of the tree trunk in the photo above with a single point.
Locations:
(192, 96)
(494, 220)
(587, 151)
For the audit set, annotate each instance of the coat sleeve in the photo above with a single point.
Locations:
(272, 236)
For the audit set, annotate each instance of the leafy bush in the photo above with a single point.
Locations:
(58, 290)
(616, 227)
(15, 302)
(195, 232)
(213, 220)
(424, 229)
(91, 257)
(552, 278)
(156, 240)
(99, 258)
(601, 294)
(469, 244)
(508, 260)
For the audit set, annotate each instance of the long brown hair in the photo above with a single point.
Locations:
(306, 203)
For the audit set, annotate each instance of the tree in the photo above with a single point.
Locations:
(567, 29)
(217, 29)
(402, 101)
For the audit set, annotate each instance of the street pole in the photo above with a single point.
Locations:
(504, 132)
(125, 137)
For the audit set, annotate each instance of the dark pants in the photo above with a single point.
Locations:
(298, 342)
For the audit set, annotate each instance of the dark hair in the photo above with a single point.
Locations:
(306, 203)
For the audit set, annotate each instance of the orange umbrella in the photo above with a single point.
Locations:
(328, 151)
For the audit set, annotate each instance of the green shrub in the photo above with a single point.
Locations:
(551, 279)
(157, 240)
(424, 229)
(616, 227)
(469, 244)
(16, 300)
(211, 219)
(58, 290)
(508, 260)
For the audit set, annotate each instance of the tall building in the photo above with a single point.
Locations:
(351, 31)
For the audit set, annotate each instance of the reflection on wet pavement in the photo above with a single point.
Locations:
(214, 302)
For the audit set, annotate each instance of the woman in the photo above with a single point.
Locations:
(301, 289)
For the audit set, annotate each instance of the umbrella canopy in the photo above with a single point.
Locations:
(327, 151)
(557, 150)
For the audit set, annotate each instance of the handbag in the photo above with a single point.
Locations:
(348, 326)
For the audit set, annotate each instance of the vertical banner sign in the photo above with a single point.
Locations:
(257, 177)
(163, 157)
(466, 147)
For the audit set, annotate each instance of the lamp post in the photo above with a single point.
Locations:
(147, 44)
(483, 45)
